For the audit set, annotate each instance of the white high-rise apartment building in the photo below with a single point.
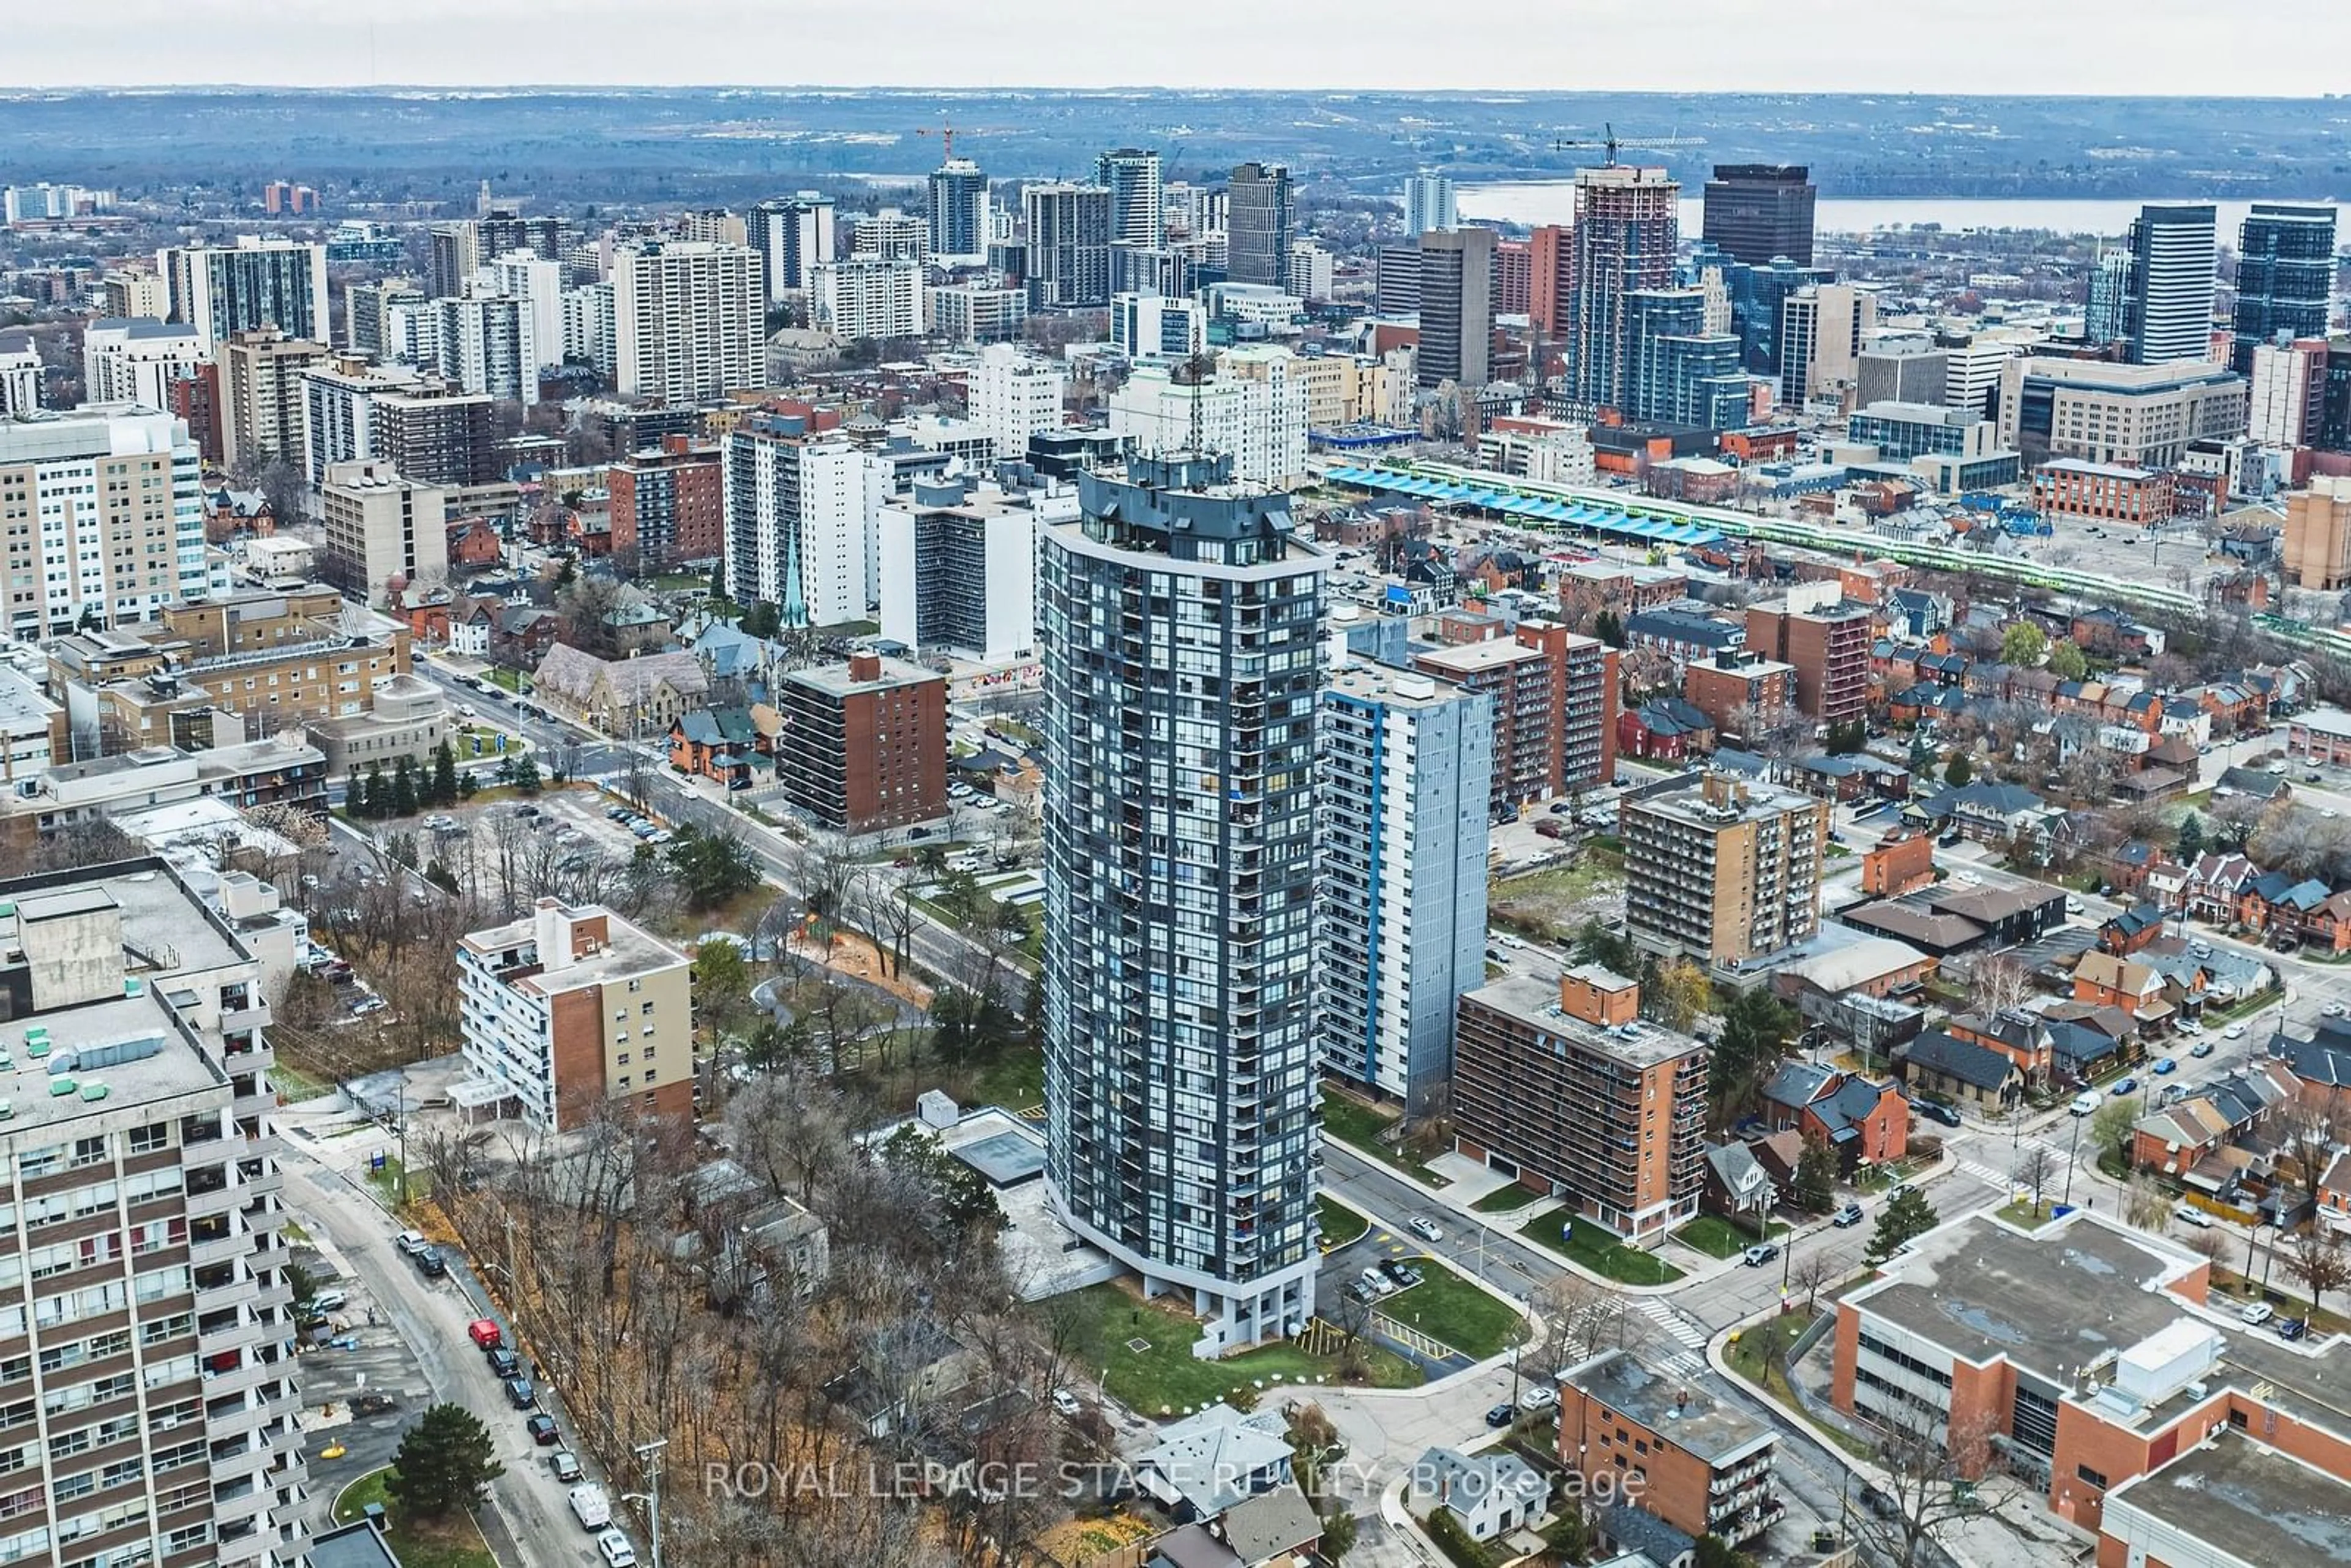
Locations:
(689, 320)
(890, 234)
(868, 296)
(20, 375)
(791, 236)
(1253, 409)
(958, 569)
(1131, 176)
(1429, 204)
(1015, 395)
(799, 534)
(2167, 310)
(157, 1411)
(259, 282)
(486, 345)
(137, 360)
(589, 331)
(104, 519)
(1404, 776)
(1180, 617)
(339, 404)
(523, 275)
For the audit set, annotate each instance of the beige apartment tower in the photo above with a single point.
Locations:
(2318, 534)
(1723, 871)
(381, 526)
(262, 395)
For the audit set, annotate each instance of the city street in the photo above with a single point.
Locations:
(527, 1521)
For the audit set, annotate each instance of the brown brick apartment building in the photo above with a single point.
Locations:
(1826, 637)
(864, 745)
(667, 505)
(1724, 871)
(1554, 703)
(1566, 1090)
(1736, 683)
(1700, 1465)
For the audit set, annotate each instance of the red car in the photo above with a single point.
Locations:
(485, 1335)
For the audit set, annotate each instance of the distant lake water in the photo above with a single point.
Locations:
(1533, 202)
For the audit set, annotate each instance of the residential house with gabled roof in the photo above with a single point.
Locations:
(1204, 1464)
(2334, 1194)
(2290, 911)
(2130, 930)
(2322, 1064)
(1863, 1121)
(2105, 979)
(721, 743)
(2017, 1033)
(2085, 1039)
(2214, 884)
(1736, 1181)
(1668, 729)
(2209, 1139)
(1949, 1068)
(1488, 1494)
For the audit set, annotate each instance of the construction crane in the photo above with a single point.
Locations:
(946, 135)
(1613, 143)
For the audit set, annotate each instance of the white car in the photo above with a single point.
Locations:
(2332, 1009)
(2258, 1313)
(616, 1550)
(1538, 1397)
(2085, 1103)
(1513, 943)
(2234, 1031)
(2188, 1214)
(2189, 1026)
(1425, 1228)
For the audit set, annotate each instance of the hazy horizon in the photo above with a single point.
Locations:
(2149, 48)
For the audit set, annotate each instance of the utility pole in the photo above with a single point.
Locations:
(2072, 1150)
(649, 1457)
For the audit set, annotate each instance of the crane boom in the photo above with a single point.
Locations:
(1613, 143)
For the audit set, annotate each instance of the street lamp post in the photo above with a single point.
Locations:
(649, 1456)
(2073, 1150)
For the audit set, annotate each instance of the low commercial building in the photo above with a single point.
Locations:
(1567, 1091)
(1978, 1329)
(1703, 1466)
(409, 719)
(2073, 489)
(282, 771)
(569, 1008)
(864, 744)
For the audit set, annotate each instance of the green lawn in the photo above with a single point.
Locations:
(1502, 1200)
(1341, 1225)
(433, 1543)
(1754, 1353)
(1164, 1376)
(1359, 1125)
(1445, 1306)
(1719, 1238)
(2021, 1214)
(500, 675)
(1015, 1078)
(1599, 1252)
(386, 1181)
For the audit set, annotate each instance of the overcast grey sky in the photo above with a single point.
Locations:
(2281, 47)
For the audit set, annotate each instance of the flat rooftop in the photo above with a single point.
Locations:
(835, 680)
(2050, 1302)
(2258, 1505)
(1746, 802)
(1363, 681)
(171, 1067)
(1468, 658)
(1674, 1407)
(627, 951)
(1535, 1002)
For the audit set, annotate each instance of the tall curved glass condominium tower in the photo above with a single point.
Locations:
(1181, 619)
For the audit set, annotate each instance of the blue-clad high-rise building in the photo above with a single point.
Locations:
(1180, 616)
(1405, 768)
(1675, 369)
(958, 214)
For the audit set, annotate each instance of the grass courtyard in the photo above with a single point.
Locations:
(426, 1543)
(1447, 1307)
(1143, 1351)
(1597, 1250)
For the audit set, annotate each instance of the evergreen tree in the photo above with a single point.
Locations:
(1815, 1189)
(2191, 838)
(1904, 1219)
(1958, 770)
(445, 775)
(445, 1465)
(375, 795)
(404, 790)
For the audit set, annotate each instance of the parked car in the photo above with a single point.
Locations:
(327, 1302)
(2190, 1027)
(485, 1333)
(565, 1465)
(1847, 1216)
(1502, 1415)
(616, 1551)
(1404, 1275)
(1065, 1402)
(2200, 1049)
(1936, 1110)
(1425, 1228)
(2234, 1031)
(541, 1427)
(2258, 1313)
(504, 1363)
(1362, 1291)
(2332, 1009)
(2127, 1084)
(1762, 1252)
(431, 1262)
(411, 1243)
(2292, 1328)
(2188, 1214)
(2165, 1067)
(1538, 1397)
(520, 1394)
